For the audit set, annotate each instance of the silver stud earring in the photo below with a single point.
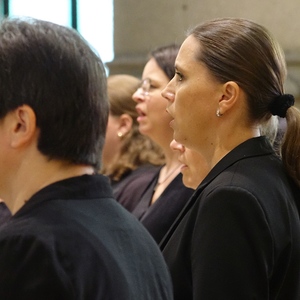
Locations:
(120, 134)
(218, 114)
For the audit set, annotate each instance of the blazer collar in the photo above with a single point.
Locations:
(258, 146)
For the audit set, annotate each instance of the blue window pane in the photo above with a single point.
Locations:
(56, 11)
(95, 23)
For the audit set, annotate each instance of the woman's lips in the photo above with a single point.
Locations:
(140, 113)
(183, 167)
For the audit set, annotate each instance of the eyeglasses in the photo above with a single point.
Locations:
(145, 87)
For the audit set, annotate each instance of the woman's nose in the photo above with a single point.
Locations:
(176, 146)
(168, 93)
(140, 95)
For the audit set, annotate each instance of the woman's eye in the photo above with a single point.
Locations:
(179, 76)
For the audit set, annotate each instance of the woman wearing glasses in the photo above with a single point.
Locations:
(129, 158)
(165, 195)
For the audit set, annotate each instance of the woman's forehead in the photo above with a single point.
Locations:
(188, 52)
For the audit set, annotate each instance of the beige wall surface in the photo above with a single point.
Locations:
(280, 17)
(140, 26)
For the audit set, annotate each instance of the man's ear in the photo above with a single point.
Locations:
(125, 124)
(23, 126)
(231, 92)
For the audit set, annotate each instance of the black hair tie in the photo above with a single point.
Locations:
(281, 104)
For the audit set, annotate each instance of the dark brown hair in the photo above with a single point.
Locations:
(52, 69)
(165, 57)
(240, 50)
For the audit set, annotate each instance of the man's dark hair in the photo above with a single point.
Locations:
(53, 70)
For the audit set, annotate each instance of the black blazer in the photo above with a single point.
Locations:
(72, 240)
(239, 235)
(129, 189)
(159, 216)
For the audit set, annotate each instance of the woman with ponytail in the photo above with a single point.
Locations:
(238, 237)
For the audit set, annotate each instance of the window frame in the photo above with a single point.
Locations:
(74, 17)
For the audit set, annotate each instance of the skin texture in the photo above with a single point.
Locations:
(154, 122)
(117, 127)
(19, 134)
(195, 96)
(112, 141)
(194, 167)
(153, 118)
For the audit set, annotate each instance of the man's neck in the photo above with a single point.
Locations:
(28, 182)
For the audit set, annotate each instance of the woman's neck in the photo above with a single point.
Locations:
(166, 175)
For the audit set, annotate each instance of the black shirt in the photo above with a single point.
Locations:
(159, 216)
(72, 240)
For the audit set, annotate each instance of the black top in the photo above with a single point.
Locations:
(159, 216)
(71, 240)
(129, 190)
(5, 214)
(239, 235)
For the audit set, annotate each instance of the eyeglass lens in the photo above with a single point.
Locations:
(145, 86)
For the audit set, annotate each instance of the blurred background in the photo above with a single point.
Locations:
(124, 31)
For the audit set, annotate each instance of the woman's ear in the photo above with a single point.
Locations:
(125, 124)
(23, 128)
(231, 93)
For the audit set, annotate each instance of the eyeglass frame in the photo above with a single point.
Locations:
(145, 87)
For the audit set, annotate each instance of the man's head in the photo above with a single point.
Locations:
(53, 70)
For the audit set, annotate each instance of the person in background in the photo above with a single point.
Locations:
(194, 167)
(129, 158)
(238, 237)
(67, 237)
(165, 195)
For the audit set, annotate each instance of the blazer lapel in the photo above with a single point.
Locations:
(250, 148)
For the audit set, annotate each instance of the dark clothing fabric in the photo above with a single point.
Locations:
(5, 214)
(72, 240)
(239, 235)
(129, 190)
(159, 216)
